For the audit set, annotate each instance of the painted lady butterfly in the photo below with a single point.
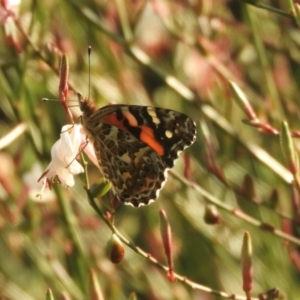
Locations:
(135, 146)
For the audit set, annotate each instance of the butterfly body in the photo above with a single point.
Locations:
(135, 146)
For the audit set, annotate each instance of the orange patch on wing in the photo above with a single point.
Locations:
(131, 119)
(148, 138)
(112, 120)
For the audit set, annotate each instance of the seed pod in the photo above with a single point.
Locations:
(115, 249)
(211, 215)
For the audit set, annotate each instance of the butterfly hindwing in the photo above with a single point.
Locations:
(133, 169)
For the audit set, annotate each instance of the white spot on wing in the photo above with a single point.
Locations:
(155, 120)
(168, 134)
(153, 115)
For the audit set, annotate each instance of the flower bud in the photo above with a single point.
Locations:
(49, 295)
(246, 260)
(274, 199)
(95, 290)
(115, 249)
(211, 215)
(296, 13)
(166, 234)
(248, 188)
(63, 76)
(132, 296)
(288, 148)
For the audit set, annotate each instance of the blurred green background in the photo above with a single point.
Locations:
(180, 55)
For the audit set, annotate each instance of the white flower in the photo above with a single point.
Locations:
(32, 187)
(63, 153)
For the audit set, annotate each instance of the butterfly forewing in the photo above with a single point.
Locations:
(135, 145)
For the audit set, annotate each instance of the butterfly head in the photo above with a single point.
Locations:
(86, 106)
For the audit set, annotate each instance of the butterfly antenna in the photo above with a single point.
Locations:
(89, 55)
(58, 100)
(49, 99)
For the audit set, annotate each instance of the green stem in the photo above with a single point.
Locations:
(267, 70)
(78, 258)
(155, 262)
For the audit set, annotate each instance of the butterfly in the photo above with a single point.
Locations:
(135, 146)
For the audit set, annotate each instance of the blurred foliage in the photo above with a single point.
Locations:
(56, 249)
